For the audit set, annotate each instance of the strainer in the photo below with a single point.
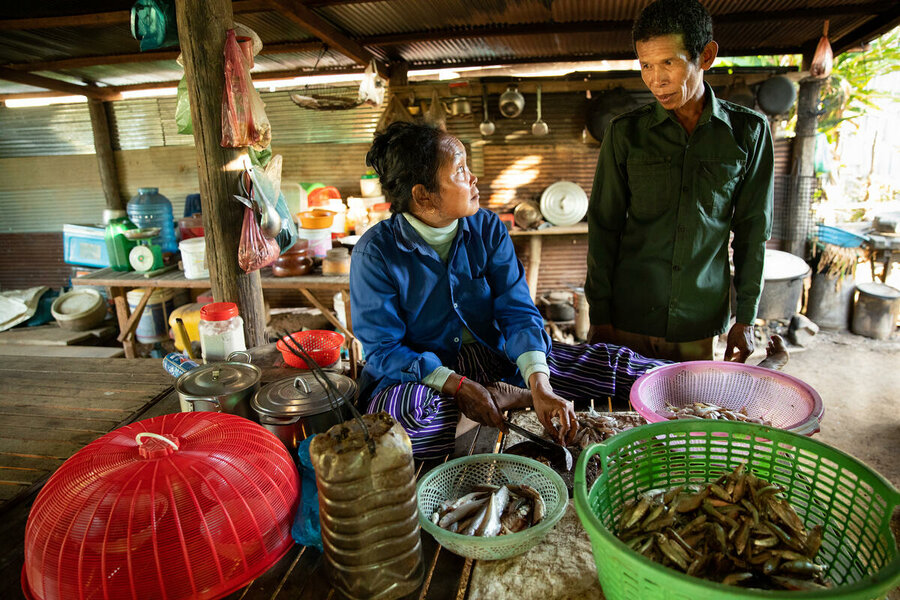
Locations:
(457, 477)
(785, 401)
(191, 505)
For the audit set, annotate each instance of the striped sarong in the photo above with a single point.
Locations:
(577, 372)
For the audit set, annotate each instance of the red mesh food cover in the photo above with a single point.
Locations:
(190, 505)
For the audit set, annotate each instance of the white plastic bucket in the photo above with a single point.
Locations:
(319, 239)
(193, 256)
(153, 326)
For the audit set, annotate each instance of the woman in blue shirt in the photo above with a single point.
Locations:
(440, 303)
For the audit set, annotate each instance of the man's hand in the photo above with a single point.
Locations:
(548, 405)
(600, 334)
(474, 401)
(740, 343)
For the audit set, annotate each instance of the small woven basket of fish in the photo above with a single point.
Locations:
(490, 506)
(724, 510)
(730, 391)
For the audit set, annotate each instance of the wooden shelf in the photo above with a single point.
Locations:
(577, 229)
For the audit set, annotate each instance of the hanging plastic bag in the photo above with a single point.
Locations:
(183, 109)
(153, 24)
(255, 250)
(371, 88)
(244, 121)
(823, 59)
(264, 191)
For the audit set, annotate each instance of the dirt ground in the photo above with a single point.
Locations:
(859, 381)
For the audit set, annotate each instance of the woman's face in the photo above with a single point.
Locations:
(456, 195)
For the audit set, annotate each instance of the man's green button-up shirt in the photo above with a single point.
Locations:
(661, 212)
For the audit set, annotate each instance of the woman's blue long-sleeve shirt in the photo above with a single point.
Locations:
(409, 308)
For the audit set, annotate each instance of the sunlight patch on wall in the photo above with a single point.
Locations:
(522, 172)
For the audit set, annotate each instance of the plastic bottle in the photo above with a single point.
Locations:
(367, 508)
(221, 331)
(117, 245)
(151, 209)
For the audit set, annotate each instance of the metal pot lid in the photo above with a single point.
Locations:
(783, 265)
(218, 379)
(564, 203)
(301, 395)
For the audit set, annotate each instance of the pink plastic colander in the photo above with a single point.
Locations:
(785, 401)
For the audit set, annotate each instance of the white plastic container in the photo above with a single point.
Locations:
(319, 239)
(193, 256)
(221, 331)
(370, 186)
(153, 325)
(339, 308)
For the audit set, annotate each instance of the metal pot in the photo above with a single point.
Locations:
(294, 408)
(219, 387)
(459, 107)
(511, 102)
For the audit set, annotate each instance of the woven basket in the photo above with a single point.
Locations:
(825, 487)
(784, 401)
(456, 478)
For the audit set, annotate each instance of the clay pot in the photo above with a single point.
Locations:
(298, 260)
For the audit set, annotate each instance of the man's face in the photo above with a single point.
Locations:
(667, 69)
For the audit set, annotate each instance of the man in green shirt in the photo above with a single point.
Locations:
(674, 179)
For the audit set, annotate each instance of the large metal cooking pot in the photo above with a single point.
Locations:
(220, 387)
(294, 408)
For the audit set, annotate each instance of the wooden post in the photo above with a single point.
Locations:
(106, 159)
(202, 25)
(804, 162)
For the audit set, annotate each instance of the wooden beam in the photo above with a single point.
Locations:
(106, 159)
(201, 30)
(141, 57)
(583, 27)
(868, 31)
(105, 18)
(48, 83)
(299, 14)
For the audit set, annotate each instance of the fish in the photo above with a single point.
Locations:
(491, 510)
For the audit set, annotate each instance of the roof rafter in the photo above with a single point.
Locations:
(91, 91)
(299, 14)
(140, 57)
(105, 18)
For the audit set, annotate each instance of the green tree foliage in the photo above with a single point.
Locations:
(848, 93)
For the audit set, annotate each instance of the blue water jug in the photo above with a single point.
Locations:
(151, 209)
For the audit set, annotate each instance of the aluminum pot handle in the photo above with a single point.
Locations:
(301, 384)
(242, 353)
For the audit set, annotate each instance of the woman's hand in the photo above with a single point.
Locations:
(474, 401)
(548, 405)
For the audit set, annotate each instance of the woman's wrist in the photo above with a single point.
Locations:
(452, 385)
(539, 382)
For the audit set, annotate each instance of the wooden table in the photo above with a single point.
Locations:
(49, 409)
(119, 282)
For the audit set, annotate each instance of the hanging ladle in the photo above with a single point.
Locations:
(539, 128)
(487, 127)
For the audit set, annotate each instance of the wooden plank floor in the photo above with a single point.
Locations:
(52, 407)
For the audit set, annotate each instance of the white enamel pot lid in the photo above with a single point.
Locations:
(301, 395)
(564, 203)
(779, 266)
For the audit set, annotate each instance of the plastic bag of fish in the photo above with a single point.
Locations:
(705, 410)
(491, 510)
(738, 530)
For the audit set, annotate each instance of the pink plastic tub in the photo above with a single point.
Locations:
(785, 401)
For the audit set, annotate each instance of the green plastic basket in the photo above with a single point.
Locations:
(824, 485)
(457, 477)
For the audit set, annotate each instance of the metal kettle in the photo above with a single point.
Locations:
(512, 102)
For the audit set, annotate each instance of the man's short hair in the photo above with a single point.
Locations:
(666, 17)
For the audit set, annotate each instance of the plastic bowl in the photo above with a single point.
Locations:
(824, 486)
(324, 347)
(316, 219)
(784, 401)
(457, 477)
(79, 310)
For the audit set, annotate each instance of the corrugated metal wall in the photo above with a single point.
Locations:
(51, 175)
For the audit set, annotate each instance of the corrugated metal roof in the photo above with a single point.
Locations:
(364, 20)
